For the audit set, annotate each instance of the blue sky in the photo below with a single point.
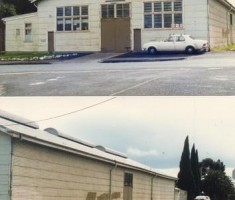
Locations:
(150, 130)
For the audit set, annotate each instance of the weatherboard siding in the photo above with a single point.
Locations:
(70, 41)
(39, 172)
(15, 33)
(221, 32)
(44, 173)
(5, 166)
(204, 19)
(164, 189)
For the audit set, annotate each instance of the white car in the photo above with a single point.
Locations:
(177, 42)
(202, 197)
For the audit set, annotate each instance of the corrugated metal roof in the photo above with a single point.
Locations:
(225, 2)
(18, 130)
(19, 120)
(22, 16)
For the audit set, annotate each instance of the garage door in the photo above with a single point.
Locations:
(115, 27)
(115, 34)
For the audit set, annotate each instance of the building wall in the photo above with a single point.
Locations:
(194, 22)
(16, 41)
(197, 21)
(5, 166)
(44, 173)
(221, 32)
(180, 194)
(196, 18)
(164, 189)
(69, 41)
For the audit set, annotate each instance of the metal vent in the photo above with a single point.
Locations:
(68, 137)
(111, 151)
(18, 120)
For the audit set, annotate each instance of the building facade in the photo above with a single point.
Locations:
(117, 25)
(47, 165)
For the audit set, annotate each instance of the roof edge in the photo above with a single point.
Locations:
(15, 119)
(15, 17)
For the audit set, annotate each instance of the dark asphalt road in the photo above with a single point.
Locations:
(207, 74)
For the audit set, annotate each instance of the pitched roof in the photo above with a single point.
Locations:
(22, 16)
(17, 127)
(225, 2)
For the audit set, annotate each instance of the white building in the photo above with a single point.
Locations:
(117, 25)
(47, 165)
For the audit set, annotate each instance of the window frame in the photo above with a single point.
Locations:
(125, 13)
(162, 10)
(128, 179)
(28, 32)
(74, 20)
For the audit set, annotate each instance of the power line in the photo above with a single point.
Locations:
(69, 113)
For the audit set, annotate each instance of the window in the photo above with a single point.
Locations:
(231, 19)
(163, 14)
(128, 179)
(107, 11)
(72, 18)
(28, 32)
(180, 39)
(17, 32)
(115, 10)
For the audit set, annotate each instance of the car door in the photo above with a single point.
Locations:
(167, 45)
(180, 43)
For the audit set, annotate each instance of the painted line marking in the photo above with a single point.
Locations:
(37, 83)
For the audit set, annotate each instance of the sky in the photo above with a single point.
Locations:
(150, 130)
(232, 2)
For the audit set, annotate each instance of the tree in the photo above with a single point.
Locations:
(217, 185)
(6, 10)
(22, 6)
(208, 163)
(195, 171)
(185, 175)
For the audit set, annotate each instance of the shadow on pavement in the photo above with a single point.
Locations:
(145, 57)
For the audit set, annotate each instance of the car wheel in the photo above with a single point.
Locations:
(189, 50)
(152, 50)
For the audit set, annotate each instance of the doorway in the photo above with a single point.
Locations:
(115, 35)
(51, 45)
(137, 39)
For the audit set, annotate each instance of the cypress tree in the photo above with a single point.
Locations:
(198, 173)
(195, 171)
(185, 175)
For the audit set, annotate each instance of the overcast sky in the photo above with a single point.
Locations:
(232, 2)
(150, 130)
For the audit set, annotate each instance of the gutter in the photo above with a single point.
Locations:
(208, 21)
(229, 5)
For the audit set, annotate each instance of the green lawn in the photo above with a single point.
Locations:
(22, 55)
(225, 48)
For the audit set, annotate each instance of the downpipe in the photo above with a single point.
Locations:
(110, 179)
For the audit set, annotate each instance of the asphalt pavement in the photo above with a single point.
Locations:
(209, 74)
